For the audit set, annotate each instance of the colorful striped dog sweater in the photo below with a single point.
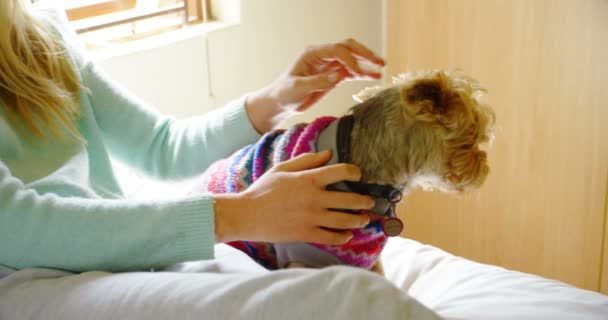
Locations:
(237, 172)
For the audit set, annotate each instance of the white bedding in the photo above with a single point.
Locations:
(452, 287)
(457, 288)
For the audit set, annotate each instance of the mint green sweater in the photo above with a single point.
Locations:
(60, 203)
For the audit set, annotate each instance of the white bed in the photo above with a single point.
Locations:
(458, 288)
(454, 288)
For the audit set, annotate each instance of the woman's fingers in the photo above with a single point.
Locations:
(316, 87)
(330, 237)
(304, 161)
(324, 176)
(317, 71)
(345, 200)
(346, 53)
(342, 53)
(364, 52)
(319, 82)
(342, 220)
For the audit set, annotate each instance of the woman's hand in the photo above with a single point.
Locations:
(289, 203)
(317, 71)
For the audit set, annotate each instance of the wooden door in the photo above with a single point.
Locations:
(545, 65)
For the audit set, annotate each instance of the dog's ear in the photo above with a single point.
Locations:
(428, 97)
(367, 93)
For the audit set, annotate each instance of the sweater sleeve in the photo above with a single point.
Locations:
(161, 146)
(79, 234)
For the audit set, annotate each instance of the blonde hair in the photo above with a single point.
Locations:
(38, 82)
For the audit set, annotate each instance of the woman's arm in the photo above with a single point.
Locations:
(80, 234)
(161, 146)
(288, 203)
(167, 148)
(141, 137)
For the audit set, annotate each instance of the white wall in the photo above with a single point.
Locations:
(248, 55)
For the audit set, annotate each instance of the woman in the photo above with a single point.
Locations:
(60, 205)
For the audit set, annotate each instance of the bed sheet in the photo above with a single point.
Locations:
(453, 287)
(230, 287)
(457, 288)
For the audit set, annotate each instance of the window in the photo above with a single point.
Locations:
(104, 21)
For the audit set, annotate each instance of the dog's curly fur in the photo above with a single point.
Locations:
(424, 131)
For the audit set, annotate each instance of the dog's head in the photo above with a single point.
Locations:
(424, 131)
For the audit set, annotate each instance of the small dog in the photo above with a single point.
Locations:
(423, 131)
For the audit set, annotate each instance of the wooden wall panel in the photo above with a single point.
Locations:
(604, 270)
(545, 65)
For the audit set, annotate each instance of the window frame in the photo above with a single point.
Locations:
(99, 8)
(109, 13)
